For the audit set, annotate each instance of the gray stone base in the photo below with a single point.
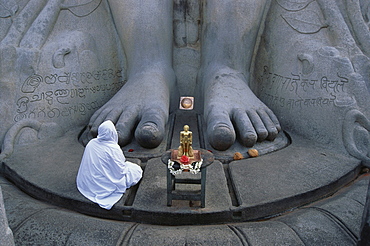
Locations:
(245, 190)
(335, 220)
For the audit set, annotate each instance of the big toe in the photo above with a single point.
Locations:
(221, 136)
(149, 135)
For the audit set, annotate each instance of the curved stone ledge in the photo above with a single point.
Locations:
(245, 190)
(332, 221)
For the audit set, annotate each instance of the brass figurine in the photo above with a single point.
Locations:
(186, 140)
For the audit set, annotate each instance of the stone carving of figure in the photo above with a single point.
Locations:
(186, 140)
(229, 35)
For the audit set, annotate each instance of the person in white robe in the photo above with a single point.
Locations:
(104, 174)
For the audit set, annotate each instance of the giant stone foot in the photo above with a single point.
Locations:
(233, 111)
(141, 106)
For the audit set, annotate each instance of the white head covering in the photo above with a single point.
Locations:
(104, 174)
(107, 132)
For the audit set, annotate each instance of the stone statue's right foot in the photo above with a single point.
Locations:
(149, 135)
(140, 109)
(151, 130)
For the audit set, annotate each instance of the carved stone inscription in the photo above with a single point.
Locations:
(303, 91)
(66, 94)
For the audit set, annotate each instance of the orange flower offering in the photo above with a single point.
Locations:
(238, 156)
(253, 152)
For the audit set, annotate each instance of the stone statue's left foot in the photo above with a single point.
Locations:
(233, 111)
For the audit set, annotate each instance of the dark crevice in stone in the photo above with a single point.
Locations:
(230, 185)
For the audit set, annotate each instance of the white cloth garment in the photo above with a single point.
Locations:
(104, 174)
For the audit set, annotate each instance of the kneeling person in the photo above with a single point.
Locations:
(104, 174)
